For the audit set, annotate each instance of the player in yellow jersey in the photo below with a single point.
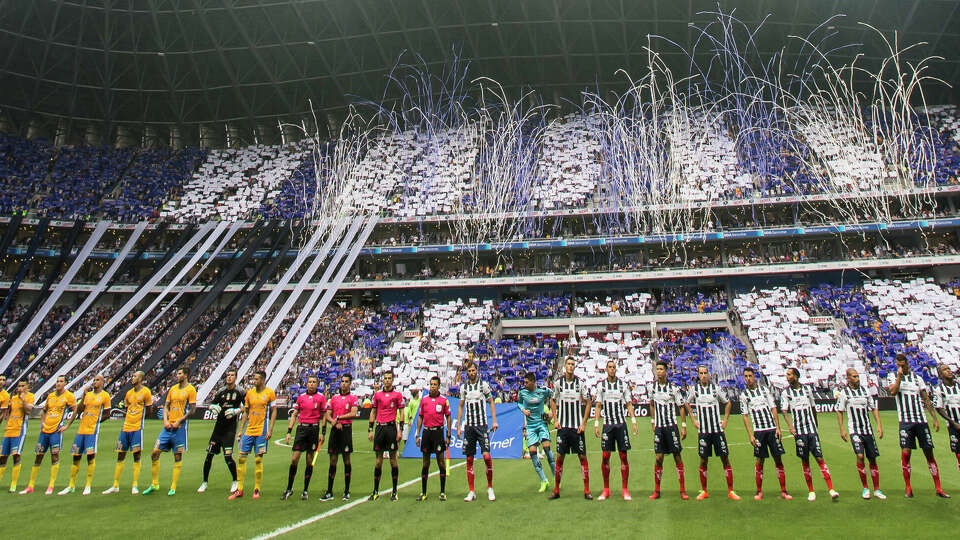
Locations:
(94, 406)
(17, 413)
(54, 422)
(4, 398)
(137, 401)
(181, 400)
(256, 437)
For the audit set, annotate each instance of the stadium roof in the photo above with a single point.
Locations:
(254, 61)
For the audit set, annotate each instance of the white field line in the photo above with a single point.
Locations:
(313, 519)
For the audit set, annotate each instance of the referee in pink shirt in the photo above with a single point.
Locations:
(431, 439)
(309, 411)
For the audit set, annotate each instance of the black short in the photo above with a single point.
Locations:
(474, 436)
(864, 445)
(341, 440)
(570, 442)
(807, 444)
(954, 440)
(666, 440)
(712, 444)
(615, 438)
(307, 438)
(222, 442)
(385, 438)
(768, 444)
(912, 433)
(433, 441)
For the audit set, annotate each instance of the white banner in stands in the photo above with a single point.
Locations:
(254, 354)
(104, 330)
(276, 377)
(184, 270)
(94, 293)
(345, 244)
(38, 317)
(208, 385)
(223, 242)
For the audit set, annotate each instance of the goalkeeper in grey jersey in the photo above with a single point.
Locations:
(226, 408)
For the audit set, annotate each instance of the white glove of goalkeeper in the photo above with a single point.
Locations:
(215, 410)
(230, 413)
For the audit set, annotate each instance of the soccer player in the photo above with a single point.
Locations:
(413, 405)
(91, 408)
(858, 404)
(760, 417)
(613, 397)
(341, 410)
(180, 402)
(385, 414)
(17, 414)
(531, 400)
(137, 401)
(911, 394)
(948, 405)
(703, 406)
(797, 402)
(472, 427)
(4, 398)
(569, 407)
(666, 400)
(51, 433)
(432, 439)
(227, 406)
(256, 436)
(308, 412)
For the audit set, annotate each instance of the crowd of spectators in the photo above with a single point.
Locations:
(412, 174)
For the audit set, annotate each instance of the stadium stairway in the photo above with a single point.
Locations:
(738, 330)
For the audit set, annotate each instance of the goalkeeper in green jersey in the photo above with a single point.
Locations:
(532, 401)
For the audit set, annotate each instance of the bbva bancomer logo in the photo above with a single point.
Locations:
(502, 444)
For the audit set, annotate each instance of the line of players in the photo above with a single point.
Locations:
(569, 404)
(570, 401)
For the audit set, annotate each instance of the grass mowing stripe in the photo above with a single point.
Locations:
(341, 508)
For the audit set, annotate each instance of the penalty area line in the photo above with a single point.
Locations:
(342, 508)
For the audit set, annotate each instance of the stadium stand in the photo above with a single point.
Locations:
(631, 351)
(232, 183)
(783, 336)
(705, 158)
(569, 167)
(722, 352)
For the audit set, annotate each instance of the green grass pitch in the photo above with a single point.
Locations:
(518, 510)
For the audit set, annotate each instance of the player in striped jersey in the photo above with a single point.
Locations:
(666, 400)
(613, 399)
(948, 405)
(474, 396)
(759, 414)
(703, 406)
(570, 407)
(53, 422)
(911, 394)
(797, 402)
(858, 404)
(532, 400)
